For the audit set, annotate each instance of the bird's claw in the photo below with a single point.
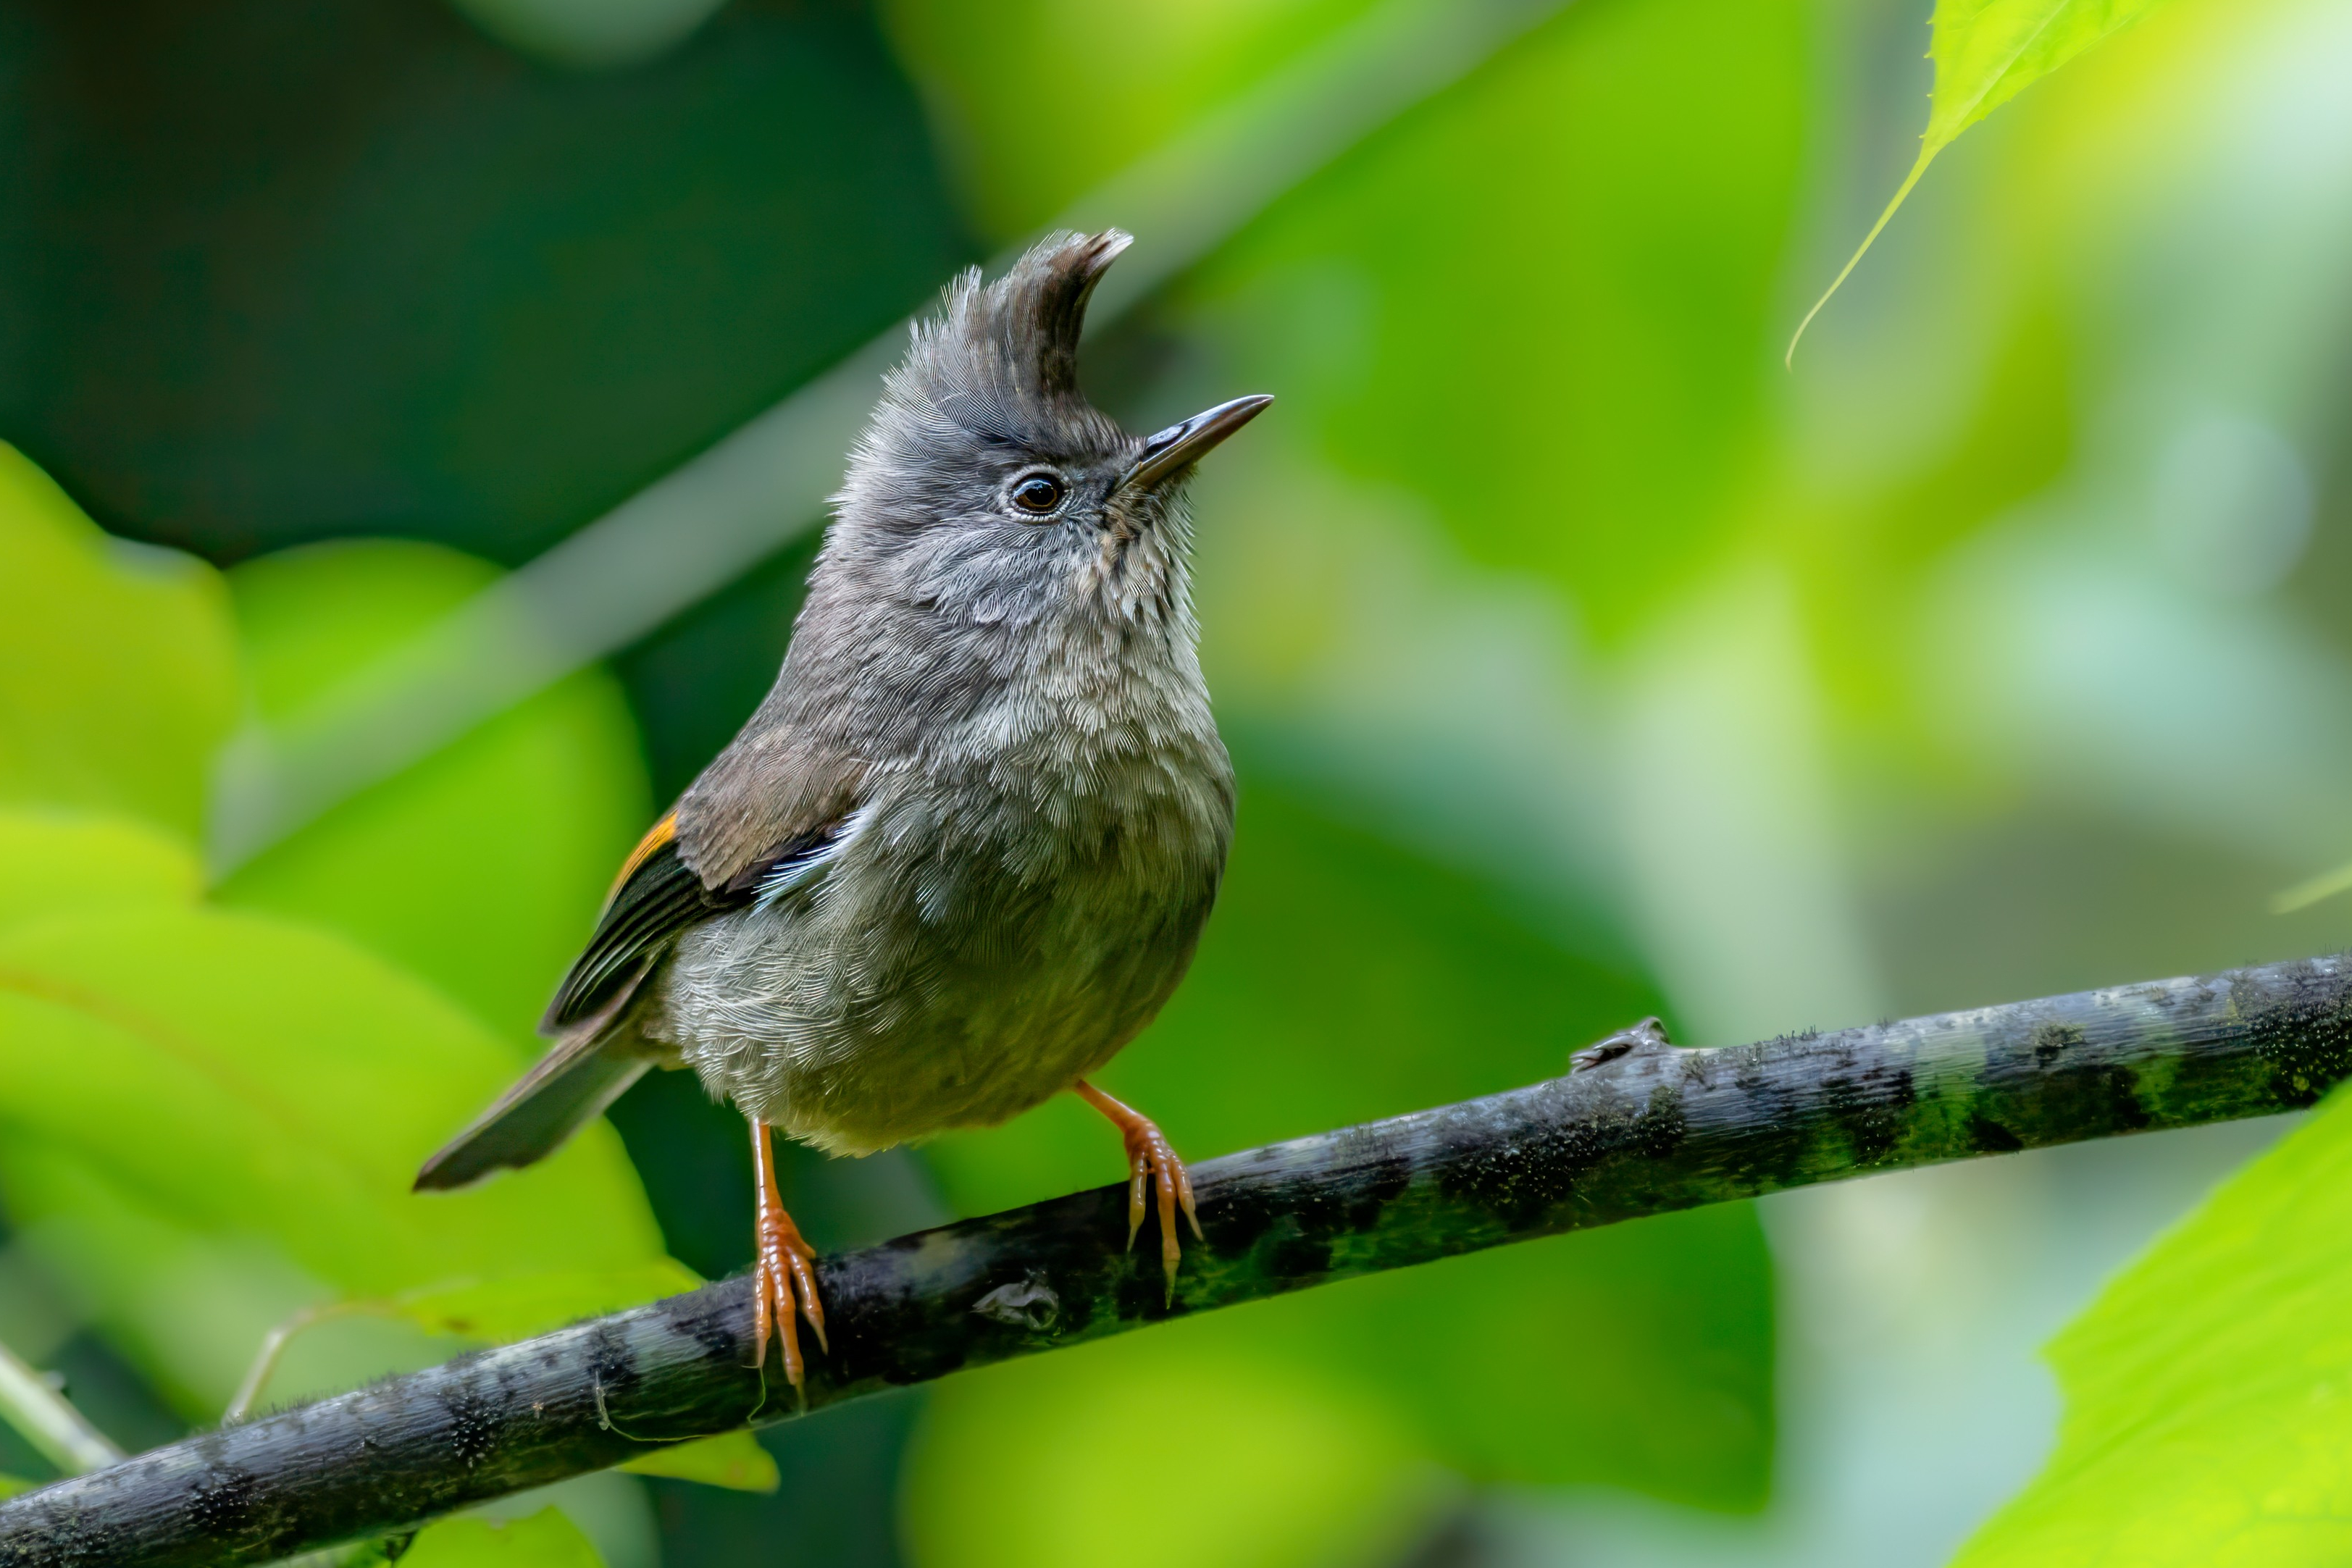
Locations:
(783, 1280)
(1152, 1166)
(1153, 1163)
(785, 1288)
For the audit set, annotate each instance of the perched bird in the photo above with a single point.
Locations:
(963, 852)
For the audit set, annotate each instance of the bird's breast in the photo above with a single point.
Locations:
(1017, 900)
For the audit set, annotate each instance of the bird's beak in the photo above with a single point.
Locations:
(1183, 443)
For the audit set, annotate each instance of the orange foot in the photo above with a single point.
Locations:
(785, 1279)
(1149, 1157)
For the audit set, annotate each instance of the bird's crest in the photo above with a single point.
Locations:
(1000, 359)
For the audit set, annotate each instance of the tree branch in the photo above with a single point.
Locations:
(1643, 1128)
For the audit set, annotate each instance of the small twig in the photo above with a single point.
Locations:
(273, 1347)
(1644, 1129)
(63, 1435)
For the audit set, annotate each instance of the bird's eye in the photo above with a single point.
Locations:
(1037, 494)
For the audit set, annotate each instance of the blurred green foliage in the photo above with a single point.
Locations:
(151, 1041)
(147, 1033)
(1542, 315)
(1579, 664)
(1133, 75)
(483, 867)
(1496, 361)
(1439, 330)
(117, 672)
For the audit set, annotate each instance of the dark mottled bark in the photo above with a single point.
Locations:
(1643, 1129)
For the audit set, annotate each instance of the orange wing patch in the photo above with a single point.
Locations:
(658, 837)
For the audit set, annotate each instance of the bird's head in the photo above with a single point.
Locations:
(987, 488)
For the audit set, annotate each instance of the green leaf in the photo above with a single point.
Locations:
(2208, 1389)
(1986, 53)
(505, 1310)
(58, 862)
(542, 1540)
(481, 868)
(10, 1485)
(208, 1119)
(118, 670)
(732, 1459)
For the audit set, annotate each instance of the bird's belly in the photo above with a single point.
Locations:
(885, 1009)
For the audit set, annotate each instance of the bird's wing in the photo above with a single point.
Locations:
(580, 1074)
(656, 896)
(796, 770)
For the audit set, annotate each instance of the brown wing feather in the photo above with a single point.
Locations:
(580, 1075)
(657, 896)
(599, 1051)
(784, 778)
(779, 792)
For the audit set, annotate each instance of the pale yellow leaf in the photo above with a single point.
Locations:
(732, 1459)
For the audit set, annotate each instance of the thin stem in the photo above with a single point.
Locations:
(273, 1347)
(62, 1434)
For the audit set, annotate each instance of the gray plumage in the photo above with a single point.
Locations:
(963, 852)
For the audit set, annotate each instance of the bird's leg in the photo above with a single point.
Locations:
(785, 1277)
(1148, 1159)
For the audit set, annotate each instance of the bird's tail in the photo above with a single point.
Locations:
(584, 1072)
